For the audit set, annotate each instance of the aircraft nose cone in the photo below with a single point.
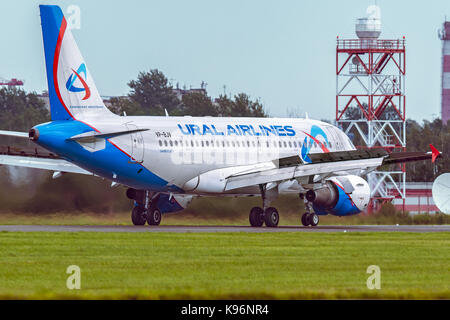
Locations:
(33, 134)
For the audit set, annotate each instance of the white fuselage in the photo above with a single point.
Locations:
(182, 150)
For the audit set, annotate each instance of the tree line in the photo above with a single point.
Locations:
(151, 94)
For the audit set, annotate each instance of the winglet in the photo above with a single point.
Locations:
(434, 153)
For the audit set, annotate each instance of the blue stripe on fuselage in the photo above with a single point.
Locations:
(105, 163)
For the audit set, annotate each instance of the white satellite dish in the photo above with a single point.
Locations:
(441, 193)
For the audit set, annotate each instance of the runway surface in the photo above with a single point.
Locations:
(187, 229)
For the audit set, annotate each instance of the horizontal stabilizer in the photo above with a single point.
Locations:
(41, 163)
(92, 135)
(37, 158)
(14, 134)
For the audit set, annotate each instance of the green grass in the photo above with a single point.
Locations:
(224, 265)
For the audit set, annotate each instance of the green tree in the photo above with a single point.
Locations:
(198, 104)
(241, 106)
(121, 105)
(153, 93)
(418, 139)
(20, 111)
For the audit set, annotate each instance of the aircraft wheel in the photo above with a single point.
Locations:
(138, 216)
(313, 219)
(305, 219)
(271, 217)
(154, 217)
(256, 217)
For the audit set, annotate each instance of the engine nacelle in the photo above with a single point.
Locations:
(340, 196)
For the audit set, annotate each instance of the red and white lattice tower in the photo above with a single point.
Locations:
(444, 35)
(370, 100)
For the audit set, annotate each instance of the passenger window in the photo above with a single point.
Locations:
(290, 144)
(165, 143)
(160, 143)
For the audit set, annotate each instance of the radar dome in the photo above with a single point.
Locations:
(370, 26)
(367, 28)
(441, 192)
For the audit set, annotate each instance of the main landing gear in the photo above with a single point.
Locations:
(145, 209)
(266, 215)
(258, 217)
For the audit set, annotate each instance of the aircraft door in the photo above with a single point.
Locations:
(137, 144)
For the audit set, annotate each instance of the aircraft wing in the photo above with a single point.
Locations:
(325, 164)
(32, 158)
(297, 171)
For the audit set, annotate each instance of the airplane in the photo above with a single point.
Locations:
(166, 161)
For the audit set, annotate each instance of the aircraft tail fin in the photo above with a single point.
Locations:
(72, 91)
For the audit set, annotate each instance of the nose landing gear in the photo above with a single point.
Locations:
(309, 218)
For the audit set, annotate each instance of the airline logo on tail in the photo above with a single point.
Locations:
(310, 139)
(77, 75)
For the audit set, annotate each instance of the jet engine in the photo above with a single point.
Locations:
(340, 196)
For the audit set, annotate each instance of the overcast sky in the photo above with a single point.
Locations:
(282, 52)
